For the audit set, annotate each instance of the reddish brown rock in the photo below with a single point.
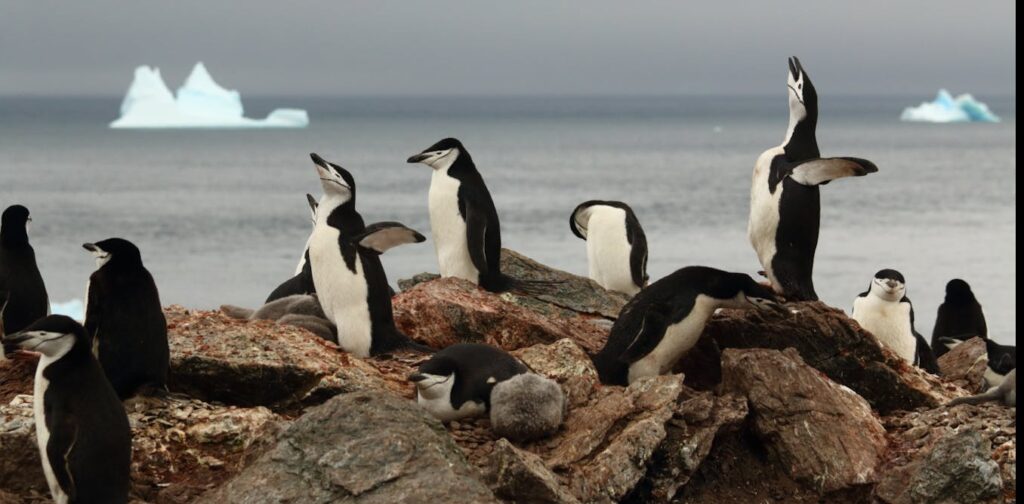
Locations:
(834, 344)
(566, 363)
(520, 476)
(823, 434)
(446, 311)
(965, 364)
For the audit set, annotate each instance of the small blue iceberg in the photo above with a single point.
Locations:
(945, 109)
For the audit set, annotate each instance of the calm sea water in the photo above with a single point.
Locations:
(221, 216)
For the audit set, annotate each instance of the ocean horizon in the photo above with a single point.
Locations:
(221, 218)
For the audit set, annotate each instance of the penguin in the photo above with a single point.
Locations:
(959, 314)
(665, 319)
(125, 319)
(1001, 358)
(19, 274)
(300, 310)
(347, 273)
(616, 244)
(785, 204)
(885, 311)
(1006, 392)
(302, 281)
(464, 222)
(82, 431)
(456, 382)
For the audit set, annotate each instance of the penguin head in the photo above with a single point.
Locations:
(117, 252)
(889, 285)
(14, 225)
(803, 98)
(738, 291)
(53, 336)
(313, 204)
(335, 180)
(435, 378)
(959, 292)
(441, 155)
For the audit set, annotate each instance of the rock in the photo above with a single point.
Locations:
(965, 364)
(216, 358)
(521, 476)
(572, 292)
(447, 311)
(174, 441)
(566, 363)
(823, 434)
(958, 469)
(405, 284)
(690, 436)
(359, 447)
(914, 435)
(834, 344)
(16, 376)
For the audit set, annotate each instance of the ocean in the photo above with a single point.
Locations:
(221, 216)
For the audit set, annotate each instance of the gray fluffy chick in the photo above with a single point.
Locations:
(299, 310)
(526, 407)
(1005, 392)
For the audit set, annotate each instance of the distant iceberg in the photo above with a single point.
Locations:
(74, 309)
(201, 103)
(945, 108)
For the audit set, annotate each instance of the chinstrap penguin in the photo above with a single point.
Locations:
(81, 427)
(616, 244)
(345, 258)
(665, 319)
(1001, 358)
(1005, 392)
(785, 204)
(885, 311)
(19, 274)
(958, 316)
(125, 319)
(464, 221)
(302, 281)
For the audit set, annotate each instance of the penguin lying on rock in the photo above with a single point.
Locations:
(300, 310)
(83, 434)
(1005, 392)
(1001, 358)
(470, 379)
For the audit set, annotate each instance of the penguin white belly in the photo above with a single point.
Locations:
(449, 229)
(678, 339)
(608, 250)
(764, 212)
(42, 433)
(992, 378)
(889, 322)
(441, 408)
(342, 293)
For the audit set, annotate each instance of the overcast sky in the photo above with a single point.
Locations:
(452, 47)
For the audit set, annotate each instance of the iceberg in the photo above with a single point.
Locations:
(200, 103)
(74, 309)
(945, 108)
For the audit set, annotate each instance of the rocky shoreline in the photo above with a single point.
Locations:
(798, 407)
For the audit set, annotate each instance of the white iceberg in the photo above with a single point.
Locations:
(74, 309)
(945, 108)
(200, 103)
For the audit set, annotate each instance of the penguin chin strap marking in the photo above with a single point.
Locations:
(797, 95)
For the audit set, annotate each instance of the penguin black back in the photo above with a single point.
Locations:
(477, 368)
(19, 273)
(84, 432)
(125, 318)
(959, 316)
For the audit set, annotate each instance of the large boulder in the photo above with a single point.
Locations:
(361, 447)
(259, 362)
(965, 364)
(180, 447)
(823, 434)
(836, 345)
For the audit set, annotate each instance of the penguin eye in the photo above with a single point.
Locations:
(800, 86)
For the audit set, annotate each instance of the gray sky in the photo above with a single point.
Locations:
(455, 47)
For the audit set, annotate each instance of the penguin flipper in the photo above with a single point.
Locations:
(476, 237)
(92, 311)
(924, 357)
(651, 331)
(380, 237)
(638, 250)
(824, 170)
(63, 435)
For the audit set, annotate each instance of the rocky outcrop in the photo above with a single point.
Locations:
(215, 358)
(359, 447)
(834, 344)
(823, 434)
(180, 447)
(520, 476)
(965, 364)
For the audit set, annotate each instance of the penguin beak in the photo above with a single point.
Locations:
(418, 158)
(91, 247)
(417, 377)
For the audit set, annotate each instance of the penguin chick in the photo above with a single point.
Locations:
(316, 325)
(527, 407)
(297, 304)
(1005, 392)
